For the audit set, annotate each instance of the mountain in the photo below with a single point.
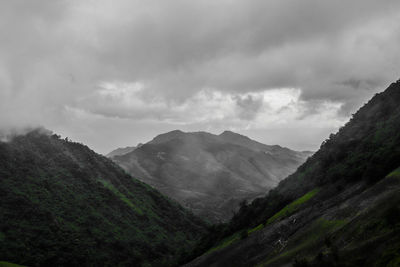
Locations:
(210, 174)
(64, 205)
(340, 208)
(120, 151)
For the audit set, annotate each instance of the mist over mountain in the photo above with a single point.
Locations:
(340, 208)
(64, 205)
(120, 151)
(203, 80)
(210, 174)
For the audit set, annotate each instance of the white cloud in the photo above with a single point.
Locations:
(261, 109)
(202, 65)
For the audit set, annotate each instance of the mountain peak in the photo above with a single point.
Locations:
(229, 134)
(165, 137)
(175, 132)
(210, 173)
(242, 140)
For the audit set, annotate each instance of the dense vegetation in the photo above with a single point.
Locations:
(64, 205)
(366, 148)
(349, 163)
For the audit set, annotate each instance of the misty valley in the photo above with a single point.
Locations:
(202, 133)
(199, 199)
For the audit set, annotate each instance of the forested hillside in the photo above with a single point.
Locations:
(340, 208)
(64, 205)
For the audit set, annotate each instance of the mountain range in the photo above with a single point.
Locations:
(120, 151)
(340, 208)
(62, 204)
(210, 174)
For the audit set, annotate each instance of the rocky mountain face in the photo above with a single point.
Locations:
(64, 205)
(210, 174)
(340, 208)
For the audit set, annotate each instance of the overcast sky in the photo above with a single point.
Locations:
(114, 73)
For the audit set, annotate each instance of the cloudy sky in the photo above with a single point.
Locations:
(114, 73)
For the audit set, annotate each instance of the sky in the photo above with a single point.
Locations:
(113, 73)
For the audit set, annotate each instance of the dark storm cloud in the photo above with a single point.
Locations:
(55, 53)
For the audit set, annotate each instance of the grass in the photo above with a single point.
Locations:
(292, 207)
(8, 264)
(395, 173)
(259, 227)
(289, 209)
(394, 262)
(121, 196)
(330, 224)
(225, 242)
(233, 238)
(308, 240)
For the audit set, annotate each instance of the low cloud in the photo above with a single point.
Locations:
(248, 106)
(69, 64)
(210, 106)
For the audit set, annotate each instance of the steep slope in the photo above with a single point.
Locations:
(210, 174)
(64, 205)
(120, 151)
(340, 208)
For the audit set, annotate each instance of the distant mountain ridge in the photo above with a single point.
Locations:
(210, 174)
(120, 151)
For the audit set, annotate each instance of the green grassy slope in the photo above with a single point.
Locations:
(63, 204)
(286, 211)
(352, 235)
(292, 207)
(8, 264)
(365, 149)
(354, 228)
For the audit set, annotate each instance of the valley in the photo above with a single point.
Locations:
(210, 174)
